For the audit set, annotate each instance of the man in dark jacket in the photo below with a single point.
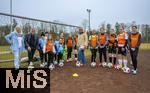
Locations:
(31, 44)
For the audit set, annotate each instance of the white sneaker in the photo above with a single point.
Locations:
(134, 72)
(70, 59)
(81, 64)
(55, 62)
(76, 59)
(42, 65)
(30, 67)
(78, 64)
(31, 63)
(104, 64)
(51, 67)
(45, 64)
(61, 64)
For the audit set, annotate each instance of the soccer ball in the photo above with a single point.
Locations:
(104, 64)
(78, 64)
(110, 65)
(126, 70)
(93, 64)
(51, 67)
(61, 64)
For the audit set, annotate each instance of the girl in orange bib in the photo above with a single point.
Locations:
(122, 40)
(102, 45)
(49, 51)
(69, 43)
(93, 45)
(134, 44)
(112, 45)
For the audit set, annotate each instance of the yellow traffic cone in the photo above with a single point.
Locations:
(75, 75)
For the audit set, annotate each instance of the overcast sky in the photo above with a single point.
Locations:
(74, 11)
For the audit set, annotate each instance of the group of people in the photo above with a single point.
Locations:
(51, 51)
(117, 46)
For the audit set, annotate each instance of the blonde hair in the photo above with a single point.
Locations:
(18, 27)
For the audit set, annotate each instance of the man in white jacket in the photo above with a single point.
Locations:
(82, 44)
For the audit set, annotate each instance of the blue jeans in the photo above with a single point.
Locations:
(81, 56)
(17, 58)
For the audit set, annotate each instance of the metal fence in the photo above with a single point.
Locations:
(145, 31)
(8, 23)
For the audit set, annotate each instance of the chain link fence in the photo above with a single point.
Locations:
(145, 30)
(8, 23)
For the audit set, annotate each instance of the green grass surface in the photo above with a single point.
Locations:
(4, 48)
(145, 46)
(11, 64)
(10, 56)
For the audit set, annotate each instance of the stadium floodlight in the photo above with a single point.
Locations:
(89, 11)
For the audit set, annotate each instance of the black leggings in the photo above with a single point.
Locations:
(93, 56)
(102, 51)
(134, 55)
(58, 57)
(76, 54)
(41, 56)
(112, 50)
(50, 57)
(69, 51)
(31, 55)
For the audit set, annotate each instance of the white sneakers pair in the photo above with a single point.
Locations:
(31, 65)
